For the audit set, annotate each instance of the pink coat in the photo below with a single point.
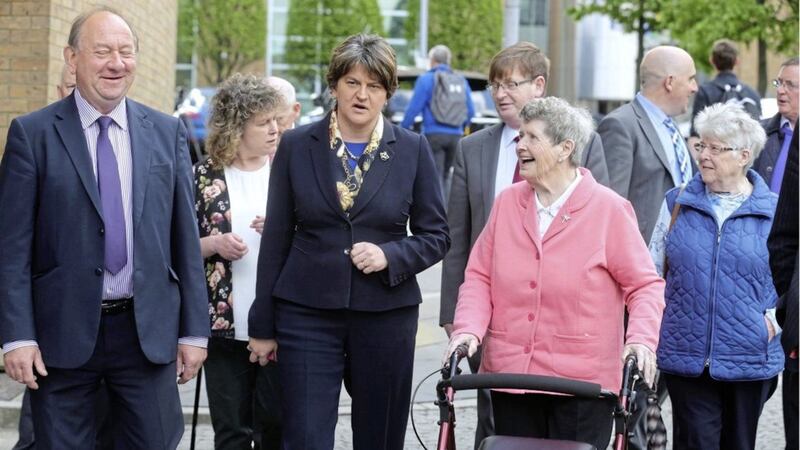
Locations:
(554, 306)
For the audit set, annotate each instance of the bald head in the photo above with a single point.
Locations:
(290, 112)
(667, 78)
(66, 84)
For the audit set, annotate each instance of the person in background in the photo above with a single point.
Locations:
(443, 137)
(724, 57)
(486, 164)
(71, 264)
(645, 152)
(771, 163)
(717, 349)
(66, 83)
(561, 313)
(290, 111)
(230, 200)
(783, 260)
(336, 293)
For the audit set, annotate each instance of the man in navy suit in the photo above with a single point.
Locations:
(100, 275)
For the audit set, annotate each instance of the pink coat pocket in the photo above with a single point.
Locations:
(576, 357)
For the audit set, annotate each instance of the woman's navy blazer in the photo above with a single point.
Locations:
(305, 248)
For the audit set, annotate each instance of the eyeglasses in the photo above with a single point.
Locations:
(713, 149)
(785, 83)
(509, 86)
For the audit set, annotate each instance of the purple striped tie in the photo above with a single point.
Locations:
(780, 163)
(116, 253)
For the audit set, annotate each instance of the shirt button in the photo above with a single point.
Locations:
(98, 271)
(530, 317)
(532, 284)
(101, 231)
(527, 349)
(346, 251)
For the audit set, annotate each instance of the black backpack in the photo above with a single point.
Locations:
(449, 101)
(733, 95)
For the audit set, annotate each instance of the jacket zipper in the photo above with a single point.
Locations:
(713, 296)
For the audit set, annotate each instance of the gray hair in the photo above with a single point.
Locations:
(561, 122)
(731, 125)
(284, 87)
(440, 54)
(77, 25)
(791, 62)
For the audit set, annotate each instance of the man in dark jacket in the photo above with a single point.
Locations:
(783, 260)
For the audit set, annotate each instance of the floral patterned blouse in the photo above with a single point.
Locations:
(213, 208)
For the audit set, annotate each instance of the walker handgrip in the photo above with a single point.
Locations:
(526, 382)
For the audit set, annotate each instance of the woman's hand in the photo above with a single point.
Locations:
(468, 339)
(258, 224)
(230, 246)
(368, 257)
(645, 360)
(263, 351)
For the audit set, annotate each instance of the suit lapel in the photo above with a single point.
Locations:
(376, 175)
(142, 146)
(490, 152)
(577, 200)
(652, 135)
(69, 128)
(321, 164)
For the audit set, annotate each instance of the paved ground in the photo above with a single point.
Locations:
(430, 345)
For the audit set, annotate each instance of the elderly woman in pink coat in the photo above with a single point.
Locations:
(548, 281)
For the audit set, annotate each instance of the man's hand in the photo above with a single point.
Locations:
(258, 224)
(190, 359)
(263, 351)
(230, 246)
(468, 339)
(770, 329)
(645, 361)
(20, 363)
(368, 257)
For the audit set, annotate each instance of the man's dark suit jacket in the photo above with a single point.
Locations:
(783, 256)
(51, 264)
(765, 163)
(304, 256)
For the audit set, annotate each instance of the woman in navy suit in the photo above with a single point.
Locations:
(336, 284)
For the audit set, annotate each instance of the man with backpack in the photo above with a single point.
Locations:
(725, 87)
(445, 101)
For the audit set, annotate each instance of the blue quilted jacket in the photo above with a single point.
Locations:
(719, 285)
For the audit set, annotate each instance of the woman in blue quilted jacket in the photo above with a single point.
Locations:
(717, 348)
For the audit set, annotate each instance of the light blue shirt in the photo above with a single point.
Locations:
(657, 118)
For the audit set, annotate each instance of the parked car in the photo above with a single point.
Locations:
(485, 112)
(193, 111)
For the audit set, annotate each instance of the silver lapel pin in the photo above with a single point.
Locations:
(384, 156)
(565, 218)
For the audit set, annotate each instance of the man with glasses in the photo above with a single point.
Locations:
(486, 163)
(780, 127)
(645, 152)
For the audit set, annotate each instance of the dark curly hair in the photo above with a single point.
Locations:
(238, 98)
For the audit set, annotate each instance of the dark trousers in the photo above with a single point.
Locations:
(243, 398)
(710, 414)
(145, 408)
(485, 426)
(790, 406)
(553, 417)
(105, 436)
(444, 147)
(372, 352)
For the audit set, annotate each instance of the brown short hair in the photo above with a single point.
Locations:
(371, 52)
(238, 98)
(724, 54)
(525, 56)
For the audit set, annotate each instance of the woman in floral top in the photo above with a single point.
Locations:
(231, 194)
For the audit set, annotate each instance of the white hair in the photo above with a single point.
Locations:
(284, 87)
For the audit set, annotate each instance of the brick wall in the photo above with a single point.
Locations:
(33, 34)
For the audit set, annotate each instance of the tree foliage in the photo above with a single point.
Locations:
(472, 30)
(315, 27)
(230, 34)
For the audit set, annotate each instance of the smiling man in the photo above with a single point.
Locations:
(98, 280)
(771, 163)
(645, 152)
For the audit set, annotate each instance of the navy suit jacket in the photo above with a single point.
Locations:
(765, 163)
(51, 263)
(304, 255)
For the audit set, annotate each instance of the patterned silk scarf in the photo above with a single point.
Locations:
(349, 184)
